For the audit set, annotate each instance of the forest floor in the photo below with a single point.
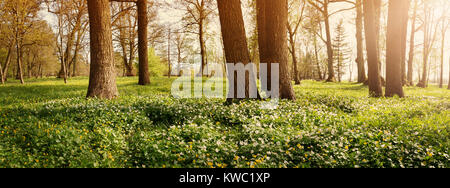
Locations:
(46, 123)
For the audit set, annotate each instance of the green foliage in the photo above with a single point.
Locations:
(49, 124)
(157, 68)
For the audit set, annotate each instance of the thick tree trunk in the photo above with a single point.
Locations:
(102, 79)
(360, 42)
(235, 46)
(409, 78)
(396, 29)
(144, 75)
(372, 32)
(272, 27)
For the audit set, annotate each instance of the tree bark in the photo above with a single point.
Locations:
(396, 29)
(102, 81)
(235, 45)
(360, 42)
(144, 75)
(372, 37)
(272, 27)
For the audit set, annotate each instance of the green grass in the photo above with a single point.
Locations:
(46, 123)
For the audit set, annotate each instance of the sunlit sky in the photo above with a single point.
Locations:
(172, 17)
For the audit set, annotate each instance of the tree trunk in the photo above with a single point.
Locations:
(144, 75)
(294, 58)
(404, 36)
(443, 31)
(1, 73)
(372, 32)
(236, 49)
(395, 47)
(448, 74)
(409, 78)
(316, 54)
(331, 75)
(272, 27)
(202, 48)
(360, 42)
(102, 79)
(7, 62)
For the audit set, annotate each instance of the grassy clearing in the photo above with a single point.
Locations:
(48, 124)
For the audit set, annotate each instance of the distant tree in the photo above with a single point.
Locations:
(430, 27)
(21, 14)
(341, 50)
(372, 30)
(102, 81)
(360, 60)
(404, 36)
(412, 46)
(272, 27)
(445, 24)
(197, 15)
(394, 48)
(296, 10)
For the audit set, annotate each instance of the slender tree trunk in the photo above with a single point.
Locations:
(316, 54)
(144, 75)
(394, 47)
(448, 74)
(202, 50)
(102, 79)
(7, 62)
(360, 42)
(404, 36)
(168, 55)
(272, 27)
(372, 32)
(235, 46)
(443, 31)
(410, 78)
(427, 28)
(1, 73)
(294, 58)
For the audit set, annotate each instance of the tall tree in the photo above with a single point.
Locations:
(322, 6)
(296, 10)
(235, 45)
(395, 47)
(372, 36)
(430, 32)
(341, 50)
(144, 75)
(102, 81)
(360, 62)
(197, 13)
(272, 37)
(445, 24)
(404, 36)
(413, 31)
